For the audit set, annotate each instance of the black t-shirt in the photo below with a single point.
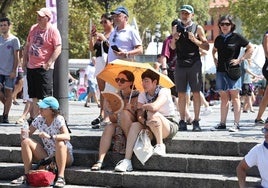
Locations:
(228, 48)
(185, 48)
(97, 48)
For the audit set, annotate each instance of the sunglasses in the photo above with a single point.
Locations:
(121, 80)
(225, 24)
(264, 130)
(103, 22)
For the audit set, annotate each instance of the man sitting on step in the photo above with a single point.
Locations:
(257, 156)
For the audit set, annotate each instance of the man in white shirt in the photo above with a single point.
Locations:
(257, 156)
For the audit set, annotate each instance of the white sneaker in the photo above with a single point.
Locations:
(206, 111)
(160, 149)
(123, 166)
(235, 128)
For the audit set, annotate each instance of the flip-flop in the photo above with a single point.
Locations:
(20, 121)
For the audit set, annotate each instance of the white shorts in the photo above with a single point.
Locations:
(100, 65)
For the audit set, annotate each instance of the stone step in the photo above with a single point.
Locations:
(178, 145)
(190, 163)
(6, 184)
(84, 176)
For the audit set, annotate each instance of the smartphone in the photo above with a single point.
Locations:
(115, 48)
(93, 30)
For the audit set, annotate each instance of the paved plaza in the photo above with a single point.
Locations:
(80, 118)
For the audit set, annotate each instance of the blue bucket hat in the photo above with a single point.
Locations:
(187, 8)
(49, 102)
(119, 10)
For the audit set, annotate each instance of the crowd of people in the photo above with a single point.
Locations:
(152, 108)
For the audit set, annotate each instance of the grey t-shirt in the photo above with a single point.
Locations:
(7, 48)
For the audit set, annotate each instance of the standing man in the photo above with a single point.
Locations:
(9, 53)
(189, 38)
(42, 48)
(126, 38)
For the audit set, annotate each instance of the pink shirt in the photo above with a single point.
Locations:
(42, 45)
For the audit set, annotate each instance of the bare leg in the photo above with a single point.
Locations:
(30, 150)
(197, 103)
(106, 140)
(263, 104)
(17, 89)
(8, 101)
(126, 118)
(182, 104)
(236, 103)
(35, 108)
(224, 96)
(134, 130)
(62, 157)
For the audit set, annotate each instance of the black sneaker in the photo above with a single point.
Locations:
(97, 121)
(221, 126)
(97, 126)
(5, 119)
(196, 126)
(182, 125)
(259, 122)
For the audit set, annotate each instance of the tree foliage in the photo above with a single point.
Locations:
(253, 16)
(146, 12)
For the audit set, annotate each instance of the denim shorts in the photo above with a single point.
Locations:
(7, 82)
(224, 83)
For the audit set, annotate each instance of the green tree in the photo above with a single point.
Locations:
(147, 12)
(253, 17)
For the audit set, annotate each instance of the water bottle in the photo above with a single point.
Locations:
(25, 129)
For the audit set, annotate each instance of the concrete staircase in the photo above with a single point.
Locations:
(202, 163)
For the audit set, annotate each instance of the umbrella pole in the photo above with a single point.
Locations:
(131, 93)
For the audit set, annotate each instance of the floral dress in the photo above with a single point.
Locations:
(49, 144)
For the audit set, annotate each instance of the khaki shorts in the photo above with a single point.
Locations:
(173, 127)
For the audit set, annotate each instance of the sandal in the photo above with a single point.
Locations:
(20, 121)
(20, 180)
(97, 166)
(60, 182)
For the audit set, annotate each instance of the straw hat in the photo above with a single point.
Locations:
(114, 101)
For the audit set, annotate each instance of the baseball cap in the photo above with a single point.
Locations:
(44, 12)
(187, 8)
(49, 102)
(119, 10)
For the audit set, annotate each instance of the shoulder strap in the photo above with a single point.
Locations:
(194, 28)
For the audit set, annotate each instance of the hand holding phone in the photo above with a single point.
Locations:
(115, 48)
(93, 31)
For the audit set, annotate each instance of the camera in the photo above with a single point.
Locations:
(183, 31)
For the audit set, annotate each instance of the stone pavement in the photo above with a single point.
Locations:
(80, 118)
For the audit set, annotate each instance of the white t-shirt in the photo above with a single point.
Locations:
(258, 156)
(90, 71)
(167, 109)
(126, 39)
(49, 144)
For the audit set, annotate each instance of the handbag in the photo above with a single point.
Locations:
(143, 148)
(40, 178)
(234, 72)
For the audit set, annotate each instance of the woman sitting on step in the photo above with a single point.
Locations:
(55, 137)
(156, 113)
(122, 119)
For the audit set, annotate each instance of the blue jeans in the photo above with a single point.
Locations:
(224, 83)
